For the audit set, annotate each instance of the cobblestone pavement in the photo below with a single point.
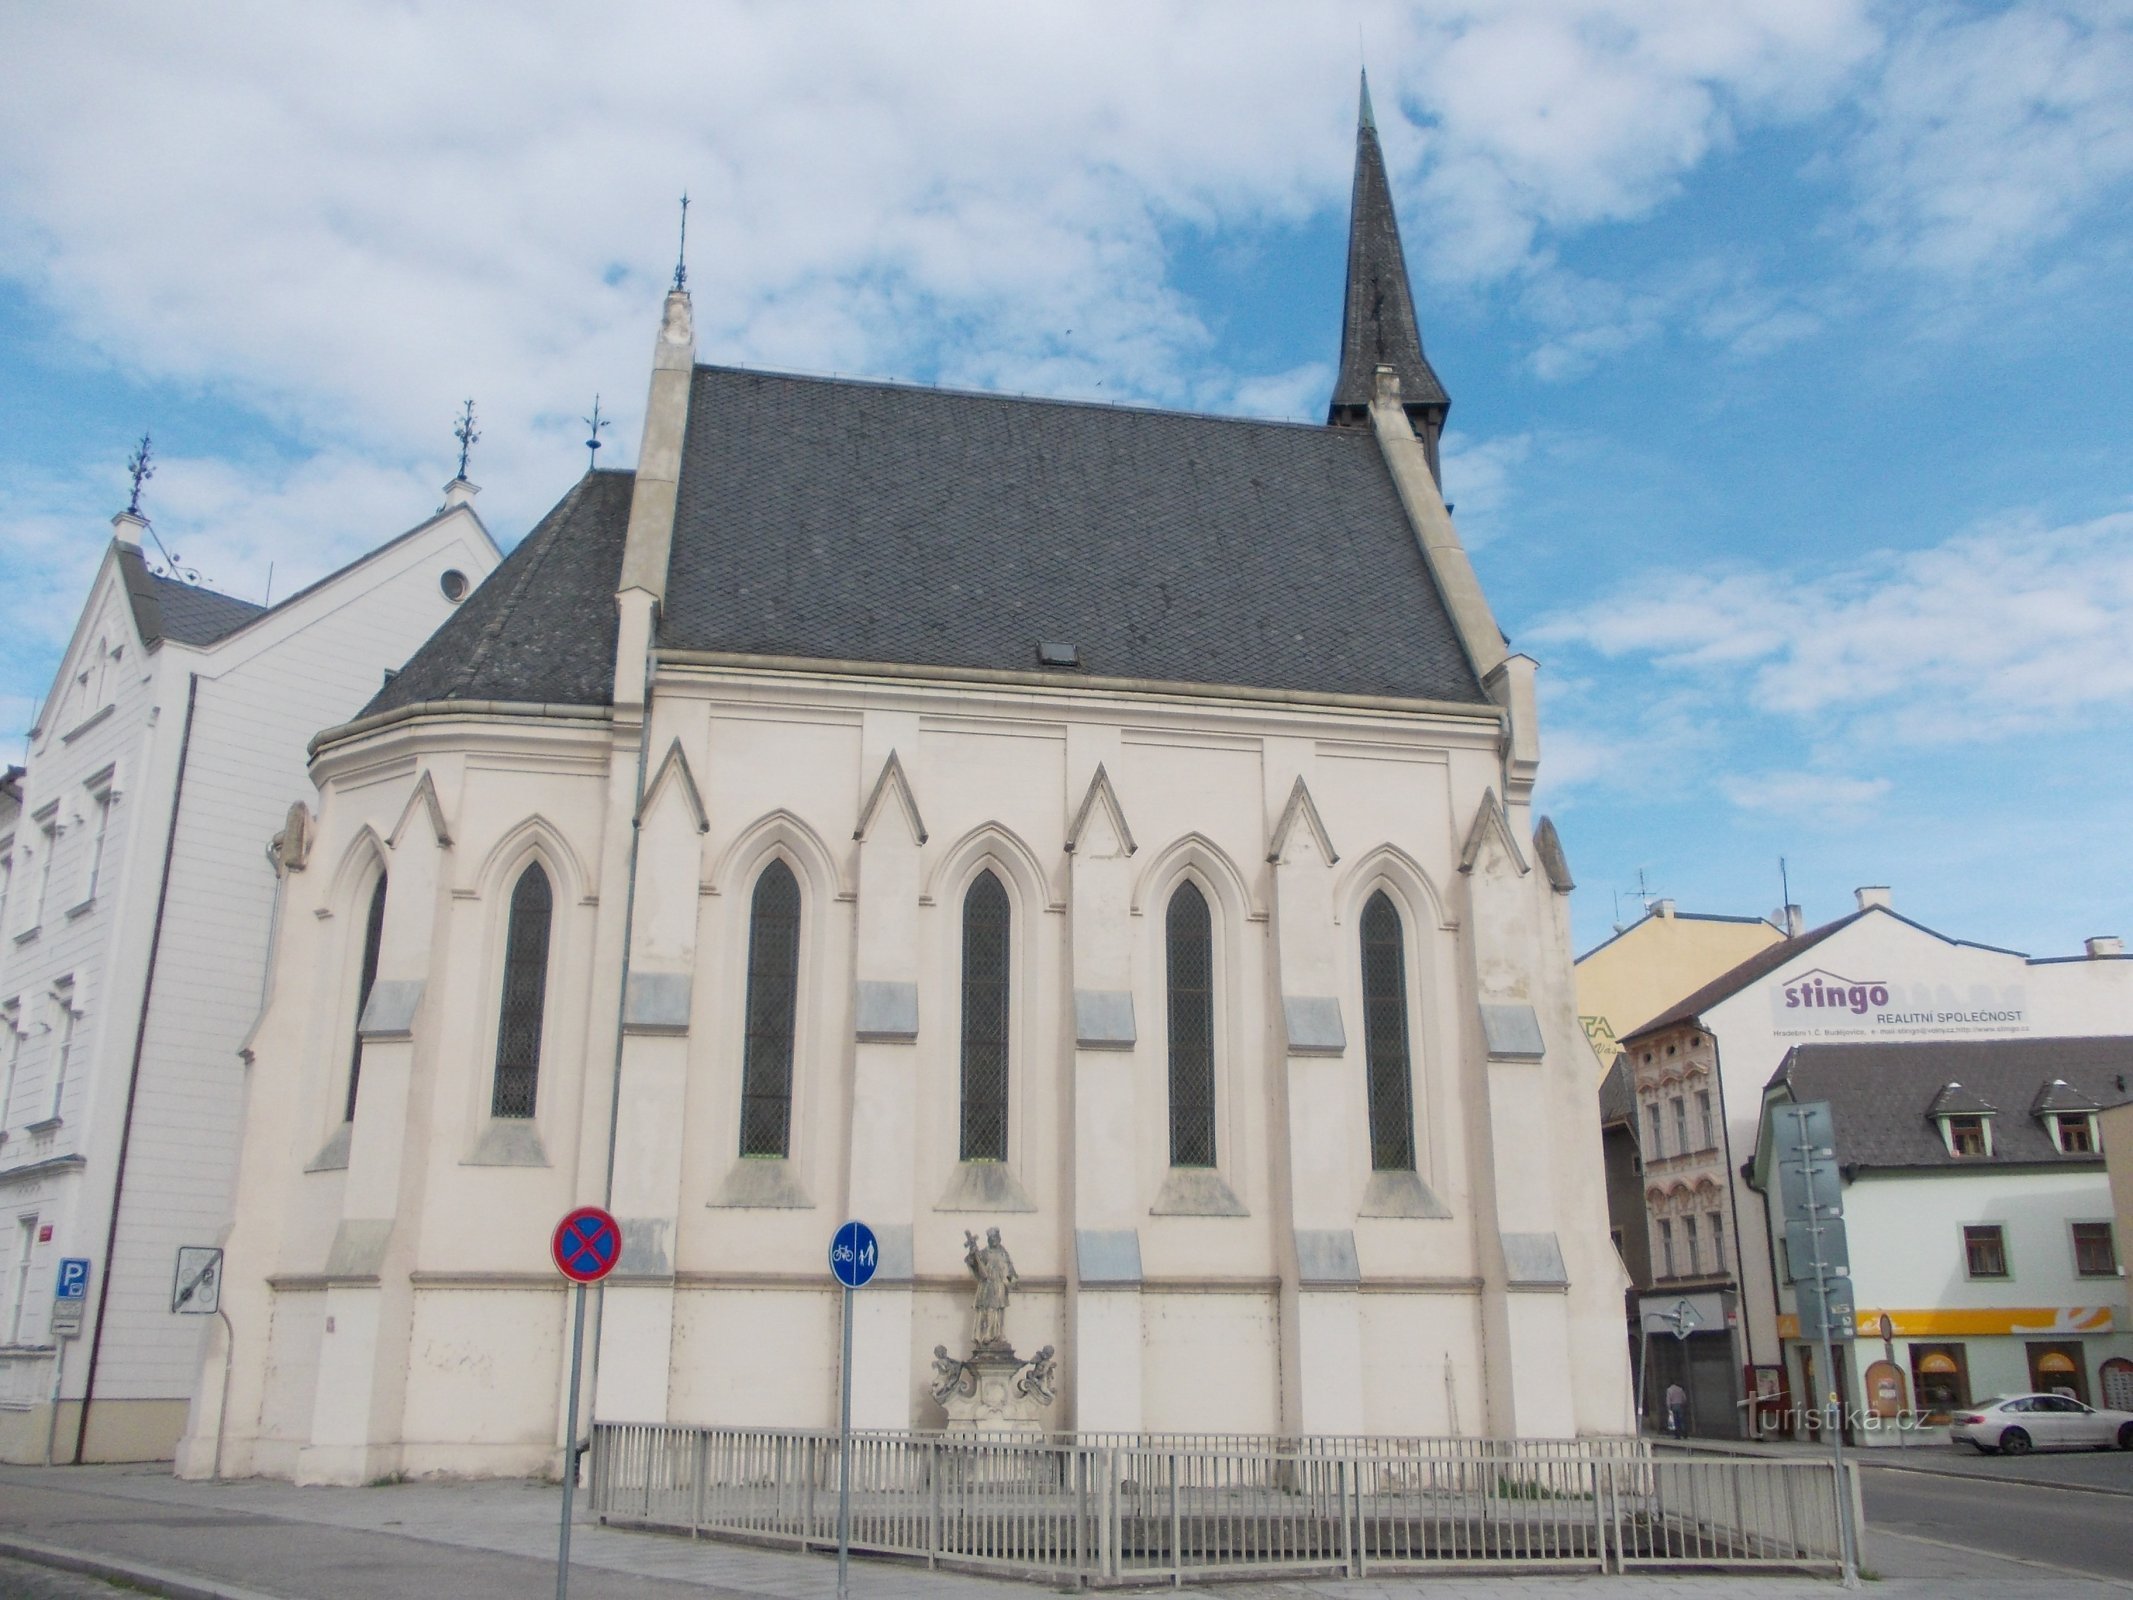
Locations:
(495, 1541)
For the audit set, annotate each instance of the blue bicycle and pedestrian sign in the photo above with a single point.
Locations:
(854, 1254)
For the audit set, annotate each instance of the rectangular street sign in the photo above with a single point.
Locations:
(196, 1290)
(1800, 1248)
(1839, 1308)
(73, 1279)
(65, 1321)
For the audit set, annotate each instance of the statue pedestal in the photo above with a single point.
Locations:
(998, 1392)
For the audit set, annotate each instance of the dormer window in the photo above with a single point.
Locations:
(2074, 1132)
(1967, 1135)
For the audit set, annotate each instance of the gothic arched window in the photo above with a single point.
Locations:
(518, 1022)
(1391, 1082)
(985, 954)
(1190, 962)
(773, 996)
(373, 936)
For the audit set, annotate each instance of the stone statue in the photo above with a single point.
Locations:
(994, 1269)
(291, 848)
(950, 1376)
(1038, 1375)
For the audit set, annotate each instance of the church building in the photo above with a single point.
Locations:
(959, 812)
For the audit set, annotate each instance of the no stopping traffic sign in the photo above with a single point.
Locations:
(587, 1245)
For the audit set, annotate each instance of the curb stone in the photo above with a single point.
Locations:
(153, 1580)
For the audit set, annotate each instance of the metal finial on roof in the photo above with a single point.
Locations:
(465, 433)
(138, 465)
(1363, 115)
(681, 258)
(595, 422)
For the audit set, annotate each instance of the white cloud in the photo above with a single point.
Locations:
(1478, 476)
(1813, 796)
(2005, 628)
(1988, 134)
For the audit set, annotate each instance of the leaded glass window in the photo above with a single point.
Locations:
(985, 956)
(1189, 937)
(373, 936)
(773, 994)
(518, 1023)
(1391, 1082)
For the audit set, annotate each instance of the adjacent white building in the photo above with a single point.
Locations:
(955, 811)
(1873, 976)
(136, 904)
(1977, 1212)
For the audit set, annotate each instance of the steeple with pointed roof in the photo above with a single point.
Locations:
(1378, 325)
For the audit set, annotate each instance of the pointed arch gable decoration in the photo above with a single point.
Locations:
(1300, 809)
(743, 856)
(424, 799)
(674, 766)
(891, 782)
(996, 843)
(1100, 797)
(1388, 863)
(1491, 823)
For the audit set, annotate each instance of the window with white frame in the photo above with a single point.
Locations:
(1703, 1112)
(11, 1023)
(18, 1298)
(1651, 1120)
(1689, 1236)
(63, 1025)
(2095, 1254)
(47, 848)
(1718, 1244)
(2075, 1133)
(7, 877)
(100, 797)
(1666, 1247)
(1681, 1123)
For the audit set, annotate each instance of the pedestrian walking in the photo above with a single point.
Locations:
(1677, 1405)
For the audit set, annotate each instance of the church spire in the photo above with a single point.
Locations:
(1378, 326)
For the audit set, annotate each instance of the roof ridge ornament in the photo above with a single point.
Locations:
(139, 465)
(466, 433)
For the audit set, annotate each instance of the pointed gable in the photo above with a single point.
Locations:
(1378, 323)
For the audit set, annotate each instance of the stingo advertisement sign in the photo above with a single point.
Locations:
(1820, 1004)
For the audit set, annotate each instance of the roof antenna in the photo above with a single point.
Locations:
(138, 465)
(595, 422)
(465, 433)
(681, 258)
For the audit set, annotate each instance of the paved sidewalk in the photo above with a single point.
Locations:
(259, 1540)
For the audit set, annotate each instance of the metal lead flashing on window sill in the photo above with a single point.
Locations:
(762, 1183)
(81, 910)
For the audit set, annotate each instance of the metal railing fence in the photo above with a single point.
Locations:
(1157, 1509)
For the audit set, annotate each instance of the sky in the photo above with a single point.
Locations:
(1789, 341)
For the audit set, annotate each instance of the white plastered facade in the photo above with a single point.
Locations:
(394, 1306)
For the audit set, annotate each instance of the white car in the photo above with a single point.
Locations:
(2025, 1422)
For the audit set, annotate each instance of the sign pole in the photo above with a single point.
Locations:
(855, 1256)
(586, 1246)
(1833, 1415)
(570, 1448)
(844, 1455)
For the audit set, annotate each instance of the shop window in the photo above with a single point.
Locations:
(2057, 1369)
(2095, 1255)
(2116, 1377)
(1940, 1379)
(1985, 1251)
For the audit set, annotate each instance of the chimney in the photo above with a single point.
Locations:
(1872, 895)
(1795, 924)
(1663, 908)
(2105, 944)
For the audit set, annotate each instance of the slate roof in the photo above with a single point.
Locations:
(1760, 965)
(1880, 1095)
(1378, 323)
(541, 628)
(843, 520)
(1618, 1095)
(164, 608)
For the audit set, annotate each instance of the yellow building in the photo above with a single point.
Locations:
(1654, 962)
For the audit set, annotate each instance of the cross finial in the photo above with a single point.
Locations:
(595, 422)
(138, 465)
(465, 433)
(681, 259)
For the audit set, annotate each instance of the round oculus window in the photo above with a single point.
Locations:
(454, 584)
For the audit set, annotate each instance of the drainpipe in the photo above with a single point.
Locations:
(133, 1079)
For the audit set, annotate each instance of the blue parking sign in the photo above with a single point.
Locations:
(73, 1279)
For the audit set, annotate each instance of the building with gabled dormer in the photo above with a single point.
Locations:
(1109, 826)
(137, 902)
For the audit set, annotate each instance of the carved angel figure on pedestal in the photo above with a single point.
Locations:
(994, 1269)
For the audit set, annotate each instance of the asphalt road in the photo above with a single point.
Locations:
(2070, 1529)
